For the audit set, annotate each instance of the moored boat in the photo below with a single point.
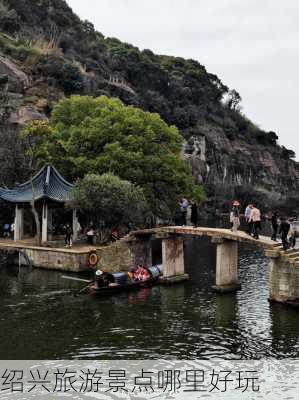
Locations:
(124, 284)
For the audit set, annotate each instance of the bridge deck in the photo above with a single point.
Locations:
(219, 233)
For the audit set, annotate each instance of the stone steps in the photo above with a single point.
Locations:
(294, 255)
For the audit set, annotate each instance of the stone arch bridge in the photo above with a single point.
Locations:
(284, 265)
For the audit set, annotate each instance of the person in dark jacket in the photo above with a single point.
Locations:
(68, 235)
(194, 214)
(283, 231)
(104, 279)
(274, 223)
(292, 233)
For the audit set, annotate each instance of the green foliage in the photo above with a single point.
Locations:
(66, 74)
(98, 135)
(272, 136)
(110, 201)
(287, 153)
(37, 140)
(71, 78)
(234, 100)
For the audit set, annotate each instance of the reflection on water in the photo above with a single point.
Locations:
(40, 318)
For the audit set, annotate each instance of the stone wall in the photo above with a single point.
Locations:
(57, 260)
(116, 257)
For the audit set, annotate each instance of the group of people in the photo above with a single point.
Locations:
(180, 217)
(280, 225)
(252, 217)
(137, 274)
(284, 227)
(90, 232)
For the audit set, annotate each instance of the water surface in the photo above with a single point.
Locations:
(40, 318)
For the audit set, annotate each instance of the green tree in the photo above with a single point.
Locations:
(35, 137)
(98, 135)
(110, 201)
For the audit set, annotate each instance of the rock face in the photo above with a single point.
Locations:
(23, 115)
(250, 172)
(18, 81)
(47, 52)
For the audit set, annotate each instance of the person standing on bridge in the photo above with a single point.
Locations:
(284, 231)
(247, 218)
(194, 213)
(235, 216)
(274, 223)
(184, 204)
(255, 219)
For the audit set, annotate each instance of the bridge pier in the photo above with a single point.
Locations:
(141, 251)
(173, 260)
(284, 279)
(227, 279)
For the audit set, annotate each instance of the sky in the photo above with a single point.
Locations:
(252, 45)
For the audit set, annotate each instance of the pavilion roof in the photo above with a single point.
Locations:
(47, 183)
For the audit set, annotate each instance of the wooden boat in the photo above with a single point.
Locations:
(126, 286)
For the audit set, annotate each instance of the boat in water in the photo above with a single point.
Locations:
(124, 284)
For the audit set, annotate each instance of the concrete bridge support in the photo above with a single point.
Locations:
(173, 260)
(284, 279)
(141, 251)
(227, 279)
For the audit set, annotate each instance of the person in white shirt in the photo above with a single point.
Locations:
(247, 218)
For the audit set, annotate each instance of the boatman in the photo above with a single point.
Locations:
(104, 279)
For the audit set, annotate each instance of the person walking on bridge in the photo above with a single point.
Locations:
(184, 204)
(255, 219)
(284, 231)
(274, 223)
(194, 214)
(235, 216)
(247, 218)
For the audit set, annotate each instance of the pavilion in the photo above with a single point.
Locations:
(48, 189)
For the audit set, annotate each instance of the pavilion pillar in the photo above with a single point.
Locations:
(227, 279)
(50, 224)
(75, 224)
(50, 219)
(45, 223)
(19, 223)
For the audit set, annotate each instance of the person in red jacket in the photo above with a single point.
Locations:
(142, 273)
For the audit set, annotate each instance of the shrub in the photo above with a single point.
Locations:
(110, 201)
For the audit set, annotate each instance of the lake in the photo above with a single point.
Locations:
(40, 318)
